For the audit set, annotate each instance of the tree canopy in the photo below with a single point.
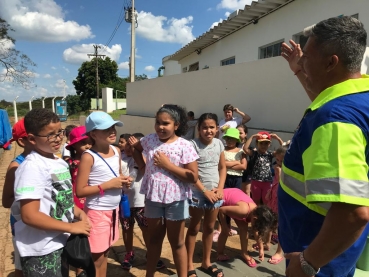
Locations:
(85, 82)
(18, 66)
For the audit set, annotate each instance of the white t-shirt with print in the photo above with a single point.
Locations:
(65, 151)
(49, 181)
(231, 123)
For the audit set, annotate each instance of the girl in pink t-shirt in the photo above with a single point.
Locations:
(239, 206)
(170, 167)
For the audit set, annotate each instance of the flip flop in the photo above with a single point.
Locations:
(275, 261)
(213, 270)
(223, 258)
(251, 262)
(191, 272)
(255, 246)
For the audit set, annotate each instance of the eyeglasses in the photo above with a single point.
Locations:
(53, 137)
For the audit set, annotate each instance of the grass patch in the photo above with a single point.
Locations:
(117, 113)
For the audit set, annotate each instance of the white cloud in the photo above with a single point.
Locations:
(149, 68)
(159, 28)
(53, 68)
(216, 23)
(66, 69)
(233, 4)
(47, 76)
(77, 54)
(209, 9)
(227, 14)
(124, 65)
(60, 83)
(41, 20)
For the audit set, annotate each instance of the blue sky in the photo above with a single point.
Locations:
(57, 35)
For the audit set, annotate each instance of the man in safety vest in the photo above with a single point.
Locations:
(324, 191)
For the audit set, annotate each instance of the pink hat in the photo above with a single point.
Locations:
(77, 134)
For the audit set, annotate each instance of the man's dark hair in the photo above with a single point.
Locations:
(342, 36)
(138, 135)
(190, 114)
(69, 129)
(125, 136)
(37, 119)
(228, 107)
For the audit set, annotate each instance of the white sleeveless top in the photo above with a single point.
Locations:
(101, 173)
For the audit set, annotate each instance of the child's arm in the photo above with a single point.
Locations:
(241, 165)
(139, 160)
(277, 171)
(84, 169)
(247, 144)
(31, 215)
(80, 214)
(245, 117)
(8, 190)
(135, 143)
(222, 169)
(209, 194)
(231, 164)
(188, 173)
(275, 136)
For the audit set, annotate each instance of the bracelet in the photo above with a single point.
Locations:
(203, 190)
(101, 190)
(297, 72)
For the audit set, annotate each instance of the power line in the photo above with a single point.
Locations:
(96, 55)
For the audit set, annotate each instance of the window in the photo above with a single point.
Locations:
(271, 50)
(228, 61)
(194, 67)
(184, 70)
(300, 39)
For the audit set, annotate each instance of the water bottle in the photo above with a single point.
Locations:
(133, 174)
(125, 211)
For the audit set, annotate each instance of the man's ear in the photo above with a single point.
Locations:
(32, 139)
(332, 63)
(21, 141)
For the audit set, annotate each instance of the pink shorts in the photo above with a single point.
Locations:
(259, 190)
(103, 232)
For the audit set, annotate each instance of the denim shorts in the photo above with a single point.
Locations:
(174, 211)
(200, 201)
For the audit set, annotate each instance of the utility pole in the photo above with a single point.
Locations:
(132, 74)
(96, 55)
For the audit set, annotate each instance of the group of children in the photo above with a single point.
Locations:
(167, 179)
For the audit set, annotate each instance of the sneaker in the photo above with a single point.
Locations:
(160, 264)
(128, 259)
(216, 235)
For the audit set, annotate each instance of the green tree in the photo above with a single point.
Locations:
(18, 66)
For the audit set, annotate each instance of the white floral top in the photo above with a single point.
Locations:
(159, 185)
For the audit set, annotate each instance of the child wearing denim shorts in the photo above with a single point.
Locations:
(170, 167)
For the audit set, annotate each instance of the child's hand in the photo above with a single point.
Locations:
(161, 160)
(211, 196)
(132, 141)
(80, 227)
(219, 193)
(273, 136)
(126, 181)
(116, 183)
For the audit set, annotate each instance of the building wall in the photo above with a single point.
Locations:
(282, 24)
(266, 90)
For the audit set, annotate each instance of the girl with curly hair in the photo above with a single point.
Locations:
(243, 210)
(171, 165)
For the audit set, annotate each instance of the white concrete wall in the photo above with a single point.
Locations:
(122, 104)
(107, 100)
(265, 89)
(171, 67)
(282, 24)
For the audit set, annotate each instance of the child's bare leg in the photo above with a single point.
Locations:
(101, 263)
(223, 234)
(176, 239)
(193, 229)
(157, 231)
(244, 238)
(207, 236)
(278, 256)
(128, 238)
(246, 187)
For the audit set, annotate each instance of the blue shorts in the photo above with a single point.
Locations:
(174, 211)
(246, 177)
(200, 201)
(233, 181)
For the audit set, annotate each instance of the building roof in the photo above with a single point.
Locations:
(236, 20)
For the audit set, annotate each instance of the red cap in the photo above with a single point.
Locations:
(76, 135)
(18, 132)
(263, 136)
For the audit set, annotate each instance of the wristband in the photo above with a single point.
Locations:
(101, 190)
(203, 190)
(297, 72)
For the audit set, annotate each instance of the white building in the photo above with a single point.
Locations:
(255, 79)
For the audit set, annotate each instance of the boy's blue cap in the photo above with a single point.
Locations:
(100, 121)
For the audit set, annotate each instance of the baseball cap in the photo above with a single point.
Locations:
(18, 131)
(100, 121)
(232, 133)
(77, 134)
(263, 136)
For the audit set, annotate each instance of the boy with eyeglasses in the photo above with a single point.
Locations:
(44, 206)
